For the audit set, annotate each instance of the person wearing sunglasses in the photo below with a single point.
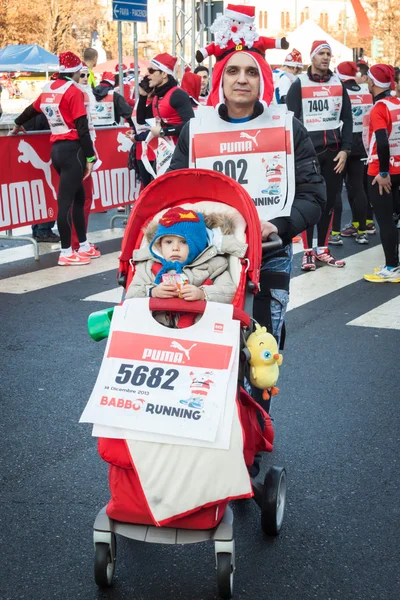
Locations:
(170, 105)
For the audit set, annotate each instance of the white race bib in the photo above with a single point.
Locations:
(321, 103)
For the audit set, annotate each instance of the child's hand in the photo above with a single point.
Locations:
(191, 293)
(165, 290)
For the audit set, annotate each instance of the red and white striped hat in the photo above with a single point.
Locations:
(293, 59)
(319, 45)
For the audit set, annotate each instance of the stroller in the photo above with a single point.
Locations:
(127, 513)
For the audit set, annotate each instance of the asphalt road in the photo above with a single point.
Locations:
(337, 426)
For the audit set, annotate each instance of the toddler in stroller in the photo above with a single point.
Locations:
(230, 260)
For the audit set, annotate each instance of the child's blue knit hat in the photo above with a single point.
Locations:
(184, 223)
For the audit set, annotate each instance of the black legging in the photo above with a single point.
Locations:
(354, 176)
(333, 185)
(351, 196)
(69, 162)
(383, 207)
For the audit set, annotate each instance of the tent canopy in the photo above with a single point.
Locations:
(27, 57)
(302, 38)
(127, 60)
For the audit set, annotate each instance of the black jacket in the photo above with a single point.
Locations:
(357, 147)
(335, 139)
(179, 101)
(121, 107)
(310, 195)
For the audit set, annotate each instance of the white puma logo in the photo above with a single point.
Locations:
(185, 351)
(125, 143)
(29, 155)
(253, 138)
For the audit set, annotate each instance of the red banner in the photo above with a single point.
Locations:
(28, 182)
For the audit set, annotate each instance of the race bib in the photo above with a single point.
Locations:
(162, 381)
(163, 148)
(321, 103)
(258, 154)
(361, 103)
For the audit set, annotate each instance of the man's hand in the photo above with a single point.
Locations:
(266, 229)
(17, 129)
(88, 170)
(142, 92)
(156, 130)
(130, 135)
(384, 183)
(340, 158)
(165, 290)
(191, 293)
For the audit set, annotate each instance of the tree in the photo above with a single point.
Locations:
(385, 18)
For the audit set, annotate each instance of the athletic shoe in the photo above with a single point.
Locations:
(362, 238)
(327, 258)
(308, 261)
(384, 275)
(349, 231)
(92, 253)
(371, 229)
(296, 239)
(335, 240)
(121, 209)
(72, 260)
(49, 238)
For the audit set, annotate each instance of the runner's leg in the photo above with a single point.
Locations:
(383, 208)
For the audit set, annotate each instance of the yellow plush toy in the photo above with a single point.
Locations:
(264, 361)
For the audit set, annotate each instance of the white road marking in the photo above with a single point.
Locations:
(15, 253)
(385, 316)
(110, 296)
(325, 280)
(39, 280)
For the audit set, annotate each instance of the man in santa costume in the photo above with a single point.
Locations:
(242, 93)
(284, 77)
(65, 106)
(234, 28)
(382, 133)
(319, 99)
(170, 105)
(361, 102)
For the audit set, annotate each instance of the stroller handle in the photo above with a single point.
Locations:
(274, 242)
(198, 307)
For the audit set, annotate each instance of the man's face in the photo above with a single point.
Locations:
(241, 80)
(322, 59)
(76, 76)
(156, 77)
(371, 84)
(397, 85)
(361, 78)
(83, 77)
(298, 70)
(204, 81)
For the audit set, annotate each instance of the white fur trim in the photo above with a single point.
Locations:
(345, 77)
(380, 84)
(204, 53)
(161, 67)
(238, 16)
(289, 63)
(278, 43)
(320, 47)
(63, 68)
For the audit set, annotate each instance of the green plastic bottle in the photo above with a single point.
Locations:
(99, 323)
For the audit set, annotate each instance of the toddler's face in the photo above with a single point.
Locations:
(174, 248)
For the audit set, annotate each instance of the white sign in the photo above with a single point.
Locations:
(163, 381)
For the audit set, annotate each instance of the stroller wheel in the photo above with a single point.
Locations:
(225, 571)
(104, 564)
(273, 501)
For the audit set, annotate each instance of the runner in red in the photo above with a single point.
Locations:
(65, 106)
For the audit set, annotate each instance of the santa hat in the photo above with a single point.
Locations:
(164, 62)
(85, 68)
(382, 76)
(108, 76)
(216, 96)
(191, 83)
(240, 13)
(116, 69)
(69, 62)
(346, 70)
(317, 46)
(131, 68)
(294, 59)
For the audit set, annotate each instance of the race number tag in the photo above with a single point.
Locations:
(360, 104)
(163, 148)
(321, 103)
(165, 381)
(257, 154)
